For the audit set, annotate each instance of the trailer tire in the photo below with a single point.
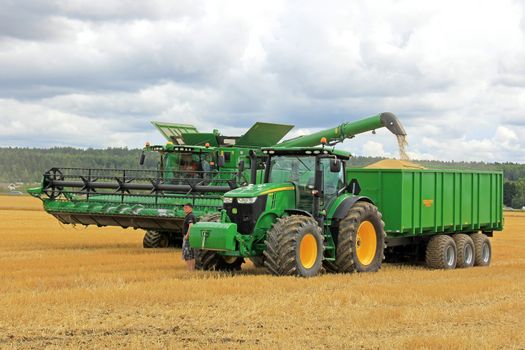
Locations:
(441, 252)
(294, 247)
(465, 249)
(483, 249)
(361, 241)
(155, 239)
(209, 260)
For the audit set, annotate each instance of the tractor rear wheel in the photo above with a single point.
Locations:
(294, 247)
(465, 249)
(441, 252)
(210, 260)
(361, 241)
(155, 239)
(482, 248)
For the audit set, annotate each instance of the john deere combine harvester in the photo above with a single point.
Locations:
(311, 210)
(194, 167)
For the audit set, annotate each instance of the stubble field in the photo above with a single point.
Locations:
(97, 287)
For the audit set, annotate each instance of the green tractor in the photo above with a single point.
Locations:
(304, 215)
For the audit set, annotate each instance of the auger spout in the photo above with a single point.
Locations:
(348, 130)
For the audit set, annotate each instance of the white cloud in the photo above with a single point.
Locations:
(452, 71)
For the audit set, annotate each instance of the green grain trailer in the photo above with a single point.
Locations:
(420, 204)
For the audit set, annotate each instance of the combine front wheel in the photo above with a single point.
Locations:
(155, 239)
(361, 240)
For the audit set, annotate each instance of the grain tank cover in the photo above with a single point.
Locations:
(173, 132)
(200, 139)
(264, 134)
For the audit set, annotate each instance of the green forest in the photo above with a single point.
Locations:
(26, 166)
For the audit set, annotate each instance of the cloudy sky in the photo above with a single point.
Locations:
(94, 73)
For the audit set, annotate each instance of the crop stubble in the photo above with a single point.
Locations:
(74, 287)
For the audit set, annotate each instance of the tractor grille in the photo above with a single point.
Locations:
(247, 214)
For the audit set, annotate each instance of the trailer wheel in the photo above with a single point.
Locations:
(483, 249)
(361, 242)
(155, 239)
(465, 249)
(294, 247)
(441, 252)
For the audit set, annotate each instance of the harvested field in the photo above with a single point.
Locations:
(97, 287)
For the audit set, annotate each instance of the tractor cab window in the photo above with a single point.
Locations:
(300, 171)
(333, 182)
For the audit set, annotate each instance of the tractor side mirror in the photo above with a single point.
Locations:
(220, 160)
(142, 158)
(241, 166)
(335, 165)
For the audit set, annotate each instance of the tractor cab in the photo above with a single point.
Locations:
(317, 174)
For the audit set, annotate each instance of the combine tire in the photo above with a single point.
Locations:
(465, 249)
(155, 239)
(482, 248)
(361, 241)
(209, 260)
(441, 252)
(294, 247)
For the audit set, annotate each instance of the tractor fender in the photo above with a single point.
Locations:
(346, 204)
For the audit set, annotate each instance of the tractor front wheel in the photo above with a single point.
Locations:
(209, 260)
(361, 241)
(294, 247)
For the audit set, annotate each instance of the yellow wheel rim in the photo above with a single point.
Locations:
(366, 242)
(308, 250)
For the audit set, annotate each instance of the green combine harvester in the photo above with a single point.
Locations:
(193, 167)
(313, 212)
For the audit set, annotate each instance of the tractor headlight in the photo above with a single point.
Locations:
(228, 200)
(249, 200)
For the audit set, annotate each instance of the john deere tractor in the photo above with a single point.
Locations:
(305, 215)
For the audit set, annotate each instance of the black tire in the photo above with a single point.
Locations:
(465, 249)
(330, 267)
(258, 261)
(441, 252)
(209, 260)
(294, 247)
(483, 249)
(363, 221)
(155, 239)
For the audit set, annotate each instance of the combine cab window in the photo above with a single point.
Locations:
(182, 166)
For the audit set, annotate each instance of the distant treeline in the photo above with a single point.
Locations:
(28, 164)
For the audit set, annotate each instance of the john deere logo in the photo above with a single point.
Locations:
(428, 202)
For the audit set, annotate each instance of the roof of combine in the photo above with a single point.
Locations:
(259, 135)
(307, 151)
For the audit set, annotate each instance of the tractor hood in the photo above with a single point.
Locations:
(260, 190)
